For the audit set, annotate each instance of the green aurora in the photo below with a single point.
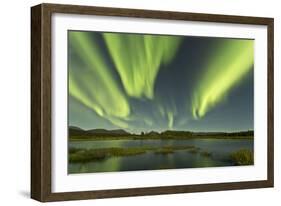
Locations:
(138, 70)
(153, 82)
(230, 63)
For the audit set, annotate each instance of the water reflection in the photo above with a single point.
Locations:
(219, 149)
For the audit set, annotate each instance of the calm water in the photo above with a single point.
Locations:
(219, 148)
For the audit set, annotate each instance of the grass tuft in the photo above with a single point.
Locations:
(242, 157)
(206, 154)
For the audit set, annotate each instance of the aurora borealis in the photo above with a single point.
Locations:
(226, 68)
(141, 82)
(138, 70)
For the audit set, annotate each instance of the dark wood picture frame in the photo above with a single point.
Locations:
(41, 101)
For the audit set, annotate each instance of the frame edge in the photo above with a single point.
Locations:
(270, 101)
(40, 103)
(36, 138)
(157, 14)
(41, 107)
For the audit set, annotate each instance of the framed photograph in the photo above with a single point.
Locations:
(132, 102)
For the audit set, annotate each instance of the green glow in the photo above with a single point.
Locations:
(118, 122)
(148, 121)
(82, 97)
(93, 84)
(225, 69)
(138, 58)
(170, 119)
(134, 81)
(166, 111)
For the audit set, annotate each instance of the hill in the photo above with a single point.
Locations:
(76, 131)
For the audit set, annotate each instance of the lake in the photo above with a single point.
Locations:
(220, 150)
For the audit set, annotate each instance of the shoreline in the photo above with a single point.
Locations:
(91, 138)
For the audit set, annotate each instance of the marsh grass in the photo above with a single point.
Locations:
(206, 154)
(194, 150)
(242, 157)
(164, 151)
(87, 155)
(76, 155)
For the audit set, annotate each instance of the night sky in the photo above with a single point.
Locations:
(146, 82)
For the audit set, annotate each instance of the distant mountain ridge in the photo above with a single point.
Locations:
(74, 128)
(77, 131)
(104, 131)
